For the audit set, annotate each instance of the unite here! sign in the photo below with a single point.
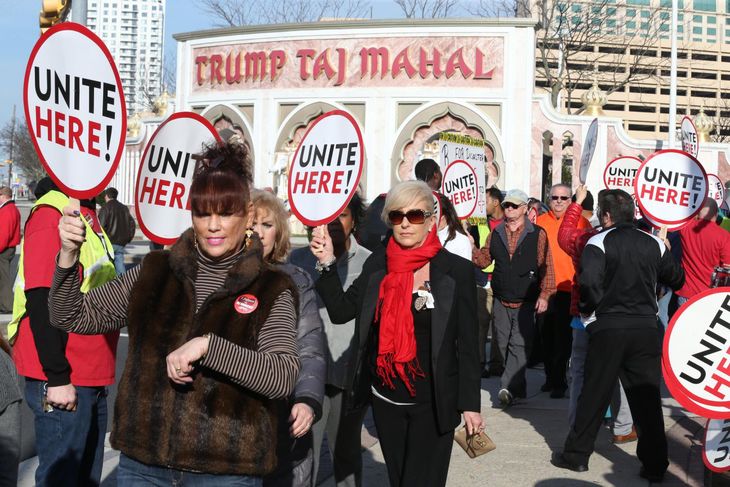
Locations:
(74, 108)
(326, 168)
(696, 357)
(460, 185)
(690, 142)
(670, 187)
(162, 193)
(454, 147)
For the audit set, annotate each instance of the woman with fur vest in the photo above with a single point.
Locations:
(212, 338)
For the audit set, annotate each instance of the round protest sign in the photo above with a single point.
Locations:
(589, 147)
(670, 187)
(74, 108)
(621, 172)
(695, 349)
(460, 185)
(716, 449)
(161, 197)
(690, 142)
(326, 168)
(715, 412)
(715, 189)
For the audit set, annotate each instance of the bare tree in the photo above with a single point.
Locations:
(232, 13)
(722, 122)
(25, 157)
(427, 9)
(574, 37)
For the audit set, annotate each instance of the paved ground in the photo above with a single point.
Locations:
(524, 434)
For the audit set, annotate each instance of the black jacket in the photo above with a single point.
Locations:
(618, 276)
(454, 349)
(117, 222)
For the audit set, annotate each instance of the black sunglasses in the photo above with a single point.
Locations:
(416, 217)
(561, 198)
(510, 206)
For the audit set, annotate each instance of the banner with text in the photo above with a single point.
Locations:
(695, 360)
(326, 168)
(162, 194)
(670, 187)
(75, 109)
(453, 147)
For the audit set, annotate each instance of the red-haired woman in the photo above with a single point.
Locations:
(212, 339)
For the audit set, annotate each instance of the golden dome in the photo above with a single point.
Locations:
(704, 125)
(594, 99)
(134, 124)
(161, 102)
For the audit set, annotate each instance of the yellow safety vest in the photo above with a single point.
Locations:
(484, 231)
(94, 258)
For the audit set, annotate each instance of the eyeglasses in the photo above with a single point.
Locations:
(416, 217)
(561, 198)
(510, 206)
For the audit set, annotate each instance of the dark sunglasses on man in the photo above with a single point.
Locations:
(561, 198)
(510, 206)
(415, 217)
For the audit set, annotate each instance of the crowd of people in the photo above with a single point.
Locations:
(245, 354)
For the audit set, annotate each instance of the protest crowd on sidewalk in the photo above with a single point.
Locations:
(262, 333)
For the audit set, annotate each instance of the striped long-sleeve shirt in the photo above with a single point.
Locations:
(271, 370)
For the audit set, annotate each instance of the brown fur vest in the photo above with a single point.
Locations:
(212, 425)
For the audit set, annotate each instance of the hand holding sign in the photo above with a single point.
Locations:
(75, 109)
(326, 168)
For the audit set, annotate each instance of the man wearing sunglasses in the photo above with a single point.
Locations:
(554, 327)
(523, 280)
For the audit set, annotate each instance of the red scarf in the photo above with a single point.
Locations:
(397, 342)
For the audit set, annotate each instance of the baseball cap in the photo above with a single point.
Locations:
(516, 197)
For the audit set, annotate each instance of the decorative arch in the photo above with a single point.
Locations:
(224, 116)
(418, 137)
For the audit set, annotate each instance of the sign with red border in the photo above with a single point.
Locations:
(716, 445)
(715, 189)
(670, 187)
(690, 141)
(75, 109)
(589, 148)
(620, 173)
(696, 358)
(326, 168)
(162, 192)
(461, 186)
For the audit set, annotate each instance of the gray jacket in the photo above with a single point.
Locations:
(309, 388)
(341, 341)
(9, 389)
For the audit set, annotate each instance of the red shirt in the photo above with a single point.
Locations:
(704, 246)
(9, 226)
(92, 357)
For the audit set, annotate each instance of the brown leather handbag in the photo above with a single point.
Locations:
(474, 445)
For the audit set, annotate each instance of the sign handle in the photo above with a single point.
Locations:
(663, 232)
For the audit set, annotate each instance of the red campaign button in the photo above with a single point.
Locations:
(246, 303)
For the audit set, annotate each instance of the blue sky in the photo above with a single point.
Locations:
(19, 31)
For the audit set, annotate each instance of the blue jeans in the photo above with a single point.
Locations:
(132, 473)
(119, 259)
(70, 445)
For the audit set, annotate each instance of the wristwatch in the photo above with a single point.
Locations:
(320, 267)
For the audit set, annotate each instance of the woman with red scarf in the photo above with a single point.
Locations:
(416, 326)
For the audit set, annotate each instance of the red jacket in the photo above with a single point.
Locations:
(9, 226)
(84, 360)
(572, 240)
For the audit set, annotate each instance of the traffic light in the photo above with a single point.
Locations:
(52, 12)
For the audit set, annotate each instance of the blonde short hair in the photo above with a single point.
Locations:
(268, 202)
(404, 194)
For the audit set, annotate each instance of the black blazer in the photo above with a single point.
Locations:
(454, 331)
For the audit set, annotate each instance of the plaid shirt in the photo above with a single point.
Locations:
(546, 271)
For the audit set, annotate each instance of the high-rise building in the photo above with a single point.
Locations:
(134, 31)
(631, 26)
